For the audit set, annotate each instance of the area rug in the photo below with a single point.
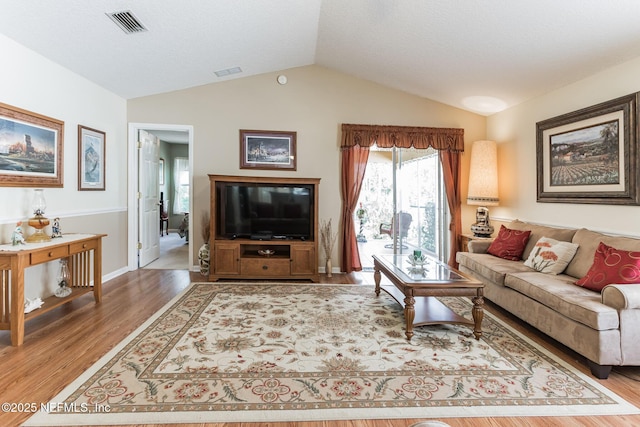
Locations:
(238, 352)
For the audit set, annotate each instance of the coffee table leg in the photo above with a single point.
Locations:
(478, 314)
(409, 315)
(376, 278)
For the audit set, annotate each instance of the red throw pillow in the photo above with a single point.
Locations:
(611, 265)
(509, 244)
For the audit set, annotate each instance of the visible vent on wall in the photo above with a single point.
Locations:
(127, 22)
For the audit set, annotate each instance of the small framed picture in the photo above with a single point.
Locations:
(264, 149)
(91, 159)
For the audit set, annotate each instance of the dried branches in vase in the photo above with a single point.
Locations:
(205, 226)
(328, 240)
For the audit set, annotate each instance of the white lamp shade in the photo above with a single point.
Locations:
(483, 174)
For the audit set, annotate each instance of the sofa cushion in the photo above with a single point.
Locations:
(551, 256)
(538, 231)
(509, 244)
(560, 294)
(588, 242)
(611, 266)
(488, 266)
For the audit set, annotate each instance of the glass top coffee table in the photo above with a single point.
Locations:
(430, 280)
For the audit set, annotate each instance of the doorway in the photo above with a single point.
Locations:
(402, 205)
(138, 223)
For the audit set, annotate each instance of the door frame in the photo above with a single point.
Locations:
(132, 191)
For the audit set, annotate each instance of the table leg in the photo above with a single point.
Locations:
(97, 271)
(409, 315)
(376, 278)
(478, 314)
(17, 300)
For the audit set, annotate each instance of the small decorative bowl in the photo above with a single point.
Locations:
(266, 252)
(417, 261)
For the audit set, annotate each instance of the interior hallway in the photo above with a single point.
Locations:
(174, 253)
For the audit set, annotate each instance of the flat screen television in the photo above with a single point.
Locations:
(264, 210)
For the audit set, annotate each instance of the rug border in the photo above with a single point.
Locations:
(623, 407)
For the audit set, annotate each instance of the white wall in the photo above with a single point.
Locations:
(314, 103)
(34, 83)
(515, 131)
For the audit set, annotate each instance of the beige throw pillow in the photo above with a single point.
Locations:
(551, 256)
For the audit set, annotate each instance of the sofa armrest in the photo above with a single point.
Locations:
(621, 296)
(479, 246)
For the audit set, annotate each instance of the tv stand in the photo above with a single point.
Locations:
(250, 258)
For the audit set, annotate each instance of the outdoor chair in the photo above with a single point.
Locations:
(397, 229)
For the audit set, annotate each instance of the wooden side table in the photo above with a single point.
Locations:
(84, 252)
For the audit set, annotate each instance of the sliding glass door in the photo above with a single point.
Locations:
(402, 205)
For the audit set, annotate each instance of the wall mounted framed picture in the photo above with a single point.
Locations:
(265, 149)
(590, 155)
(30, 149)
(91, 159)
(161, 171)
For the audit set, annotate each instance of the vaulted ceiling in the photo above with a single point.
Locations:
(497, 53)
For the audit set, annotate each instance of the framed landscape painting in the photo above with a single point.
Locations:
(91, 161)
(30, 149)
(263, 149)
(590, 155)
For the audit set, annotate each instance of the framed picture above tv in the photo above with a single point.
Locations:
(265, 149)
(590, 155)
(30, 149)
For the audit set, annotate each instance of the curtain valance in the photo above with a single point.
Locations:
(448, 139)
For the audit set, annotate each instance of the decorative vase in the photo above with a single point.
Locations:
(203, 256)
(327, 267)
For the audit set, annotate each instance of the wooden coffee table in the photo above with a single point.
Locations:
(433, 279)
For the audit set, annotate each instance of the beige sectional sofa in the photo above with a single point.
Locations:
(603, 327)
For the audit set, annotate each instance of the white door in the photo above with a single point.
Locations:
(148, 201)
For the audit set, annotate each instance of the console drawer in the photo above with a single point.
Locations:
(265, 267)
(49, 254)
(78, 247)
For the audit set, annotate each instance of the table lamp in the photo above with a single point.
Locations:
(38, 221)
(483, 185)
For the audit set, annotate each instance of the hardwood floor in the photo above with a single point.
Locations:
(63, 343)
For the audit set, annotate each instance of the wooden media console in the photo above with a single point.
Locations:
(262, 255)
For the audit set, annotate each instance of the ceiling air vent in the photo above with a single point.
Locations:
(127, 22)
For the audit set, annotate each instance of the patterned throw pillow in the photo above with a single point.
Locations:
(551, 256)
(611, 265)
(509, 244)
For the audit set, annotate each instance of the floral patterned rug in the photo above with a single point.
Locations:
(285, 352)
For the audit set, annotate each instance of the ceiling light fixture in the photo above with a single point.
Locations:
(228, 71)
(484, 104)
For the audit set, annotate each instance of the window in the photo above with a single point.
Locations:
(181, 184)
